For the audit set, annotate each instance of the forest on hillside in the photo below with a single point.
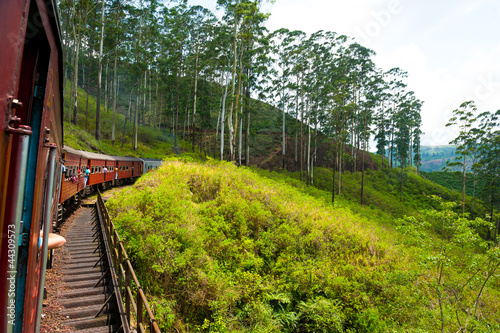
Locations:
(180, 68)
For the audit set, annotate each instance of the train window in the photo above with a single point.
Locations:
(93, 170)
(99, 169)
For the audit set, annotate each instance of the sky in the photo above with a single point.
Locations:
(450, 48)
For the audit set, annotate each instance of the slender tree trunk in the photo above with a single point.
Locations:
(195, 92)
(283, 149)
(150, 104)
(77, 32)
(333, 175)
(309, 168)
(222, 121)
(127, 116)
(115, 76)
(176, 125)
(217, 126)
(247, 125)
(88, 79)
(237, 104)
(340, 166)
(240, 137)
(233, 81)
(136, 120)
(106, 95)
(155, 122)
(363, 162)
(401, 183)
(296, 156)
(302, 136)
(463, 188)
(99, 76)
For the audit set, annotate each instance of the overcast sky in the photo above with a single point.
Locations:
(450, 48)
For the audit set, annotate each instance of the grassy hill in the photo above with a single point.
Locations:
(227, 249)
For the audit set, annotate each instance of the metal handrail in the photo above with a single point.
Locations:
(125, 273)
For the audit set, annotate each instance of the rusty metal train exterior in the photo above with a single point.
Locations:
(37, 174)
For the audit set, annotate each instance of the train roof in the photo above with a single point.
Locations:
(127, 158)
(89, 155)
(96, 156)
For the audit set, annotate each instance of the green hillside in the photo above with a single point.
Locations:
(157, 142)
(454, 181)
(227, 249)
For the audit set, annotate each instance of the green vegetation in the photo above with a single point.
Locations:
(453, 180)
(226, 249)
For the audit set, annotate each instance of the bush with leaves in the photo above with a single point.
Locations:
(463, 264)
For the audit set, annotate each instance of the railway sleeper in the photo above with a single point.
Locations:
(86, 278)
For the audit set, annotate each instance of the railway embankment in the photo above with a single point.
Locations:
(222, 248)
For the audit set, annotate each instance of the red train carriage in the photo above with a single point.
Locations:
(30, 141)
(128, 167)
(100, 167)
(73, 178)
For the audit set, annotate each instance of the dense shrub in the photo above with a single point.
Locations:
(223, 249)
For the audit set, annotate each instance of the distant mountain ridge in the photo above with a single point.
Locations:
(434, 157)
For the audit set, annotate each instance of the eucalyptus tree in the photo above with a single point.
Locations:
(417, 133)
(465, 118)
(333, 95)
(402, 135)
(175, 24)
(381, 121)
(200, 27)
(246, 21)
(373, 99)
(488, 165)
(279, 89)
(114, 35)
(397, 86)
(75, 21)
(360, 70)
(254, 63)
(99, 76)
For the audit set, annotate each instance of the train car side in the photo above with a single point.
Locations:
(129, 168)
(30, 143)
(73, 178)
(150, 164)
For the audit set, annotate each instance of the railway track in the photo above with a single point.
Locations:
(91, 273)
(86, 287)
